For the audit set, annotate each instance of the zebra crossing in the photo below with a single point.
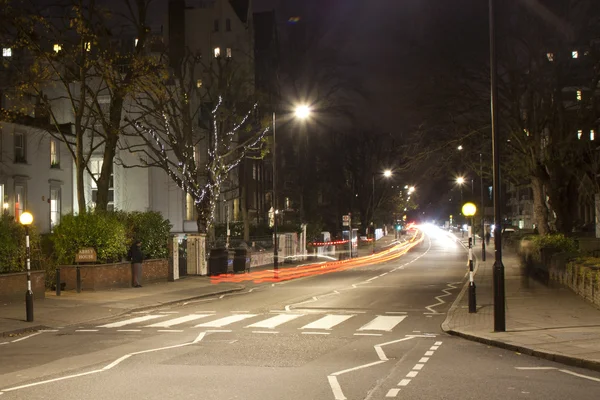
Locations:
(299, 322)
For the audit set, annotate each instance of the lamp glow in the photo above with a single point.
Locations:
(469, 209)
(302, 112)
(26, 218)
(460, 180)
(387, 173)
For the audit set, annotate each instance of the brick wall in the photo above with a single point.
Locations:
(13, 286)
(108, 276)
(582, 280)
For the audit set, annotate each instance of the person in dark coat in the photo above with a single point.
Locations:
(136, 256)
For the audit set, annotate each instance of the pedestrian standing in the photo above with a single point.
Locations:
(136, 256)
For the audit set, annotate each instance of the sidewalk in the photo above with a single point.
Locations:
(73, 308)
(549, 322)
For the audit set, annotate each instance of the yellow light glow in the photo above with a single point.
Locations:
(5, 206)
(302, 112)
(460, 180)
(469, 209)
(26, 218)
(387, 173)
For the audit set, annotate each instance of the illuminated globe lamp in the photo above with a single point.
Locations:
(469, 210)
(26, 219)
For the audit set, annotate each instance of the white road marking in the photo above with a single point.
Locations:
(240, 312)
(384, 274)
(434, 347)
(566, 371)
(327, 322)
(176, 321)
(275, 321)
(438, 343)
(315, 333)
(221, 322)
(26, 337)
(372, 279)
(129, 330)
(429, 353)
(265, 332)
(170, 330)
(398, 312)
(368, 334)
(87, 330)
(359, 367)
(106, 368)
(418, 367)
(4, 343)
(424, 359)
(404, 382)
(439, 298)
(335, 387)
(219, 331)
(412, 374)
(130, 321)
(382, 323)
(169, 312)
(393, 393)
(48, 330)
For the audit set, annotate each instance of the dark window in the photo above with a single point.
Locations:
(20, 150)
(228, 25)
(216, 25)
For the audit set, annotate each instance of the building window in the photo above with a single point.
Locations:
(96, 168)
(3, 201)
(217, 52)
(228, 25)
(190, 208)
(135, 42)
(579, 95)
(199, 83)
(6, 52)
(579, 134)
(575, 54)
(57, 47)
(54, 154)
(288, 203)
(54, 207)
(20, 148)
(19, 200)
(216, 25)
(592, 135)
(550, 56)
(228, 52)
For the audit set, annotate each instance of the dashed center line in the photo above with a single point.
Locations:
(415, 370)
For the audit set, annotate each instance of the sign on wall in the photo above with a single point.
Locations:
(87, 254)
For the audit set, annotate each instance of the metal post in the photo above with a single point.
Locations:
(227, 222)
(498, 271)
(275, 241)
(472, 298)
(373, 216)
(58, 281)
(29, 293)
(482, 209)
(350, 235)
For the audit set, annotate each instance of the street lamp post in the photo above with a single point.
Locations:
(387, 173)
(468, 210)
(301, 112)
(26, 219)
(482, 209)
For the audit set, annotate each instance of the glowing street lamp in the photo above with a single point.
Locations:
(302, 111)
(26, 219)
(469, 210)
(387, 174)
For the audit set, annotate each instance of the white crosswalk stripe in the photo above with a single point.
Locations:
(176, 321)
(275, 321)
(131, 321)
(327, 322)
(221, 322)
(383, 323)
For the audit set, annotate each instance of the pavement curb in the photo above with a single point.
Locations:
(135, 309)
(559, 358)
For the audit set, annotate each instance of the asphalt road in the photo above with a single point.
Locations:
(371, 332)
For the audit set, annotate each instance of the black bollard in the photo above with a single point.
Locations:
(58, 281)
(78, 280)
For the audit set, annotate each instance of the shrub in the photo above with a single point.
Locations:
(105, 232)
(152, 229)
(12, 246)
(558, 242)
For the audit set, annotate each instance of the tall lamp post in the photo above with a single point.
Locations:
(26, 219)
(482, 209)
(387, 174)
(468, 210)
(300, 112)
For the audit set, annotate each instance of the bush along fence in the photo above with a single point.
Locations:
(582, 275)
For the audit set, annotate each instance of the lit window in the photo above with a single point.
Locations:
(96, 168)
(592, 135)
(526, 132)
(88, 46)
(136, 42)
(6, 52)
(579, 134)
(550, 56)
(54, 154)
(190, 208)
(579, 95)
(19, 200)
(217, 52)
(228, 25)
(199, 83)
(54, 207)
(228, 52)
(288, 203)
(57, 48)
(575, 54)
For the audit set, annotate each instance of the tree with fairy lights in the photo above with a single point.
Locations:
(197, 124)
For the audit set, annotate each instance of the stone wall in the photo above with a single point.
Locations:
(13, 286)
(108, 276)
(583, 280)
